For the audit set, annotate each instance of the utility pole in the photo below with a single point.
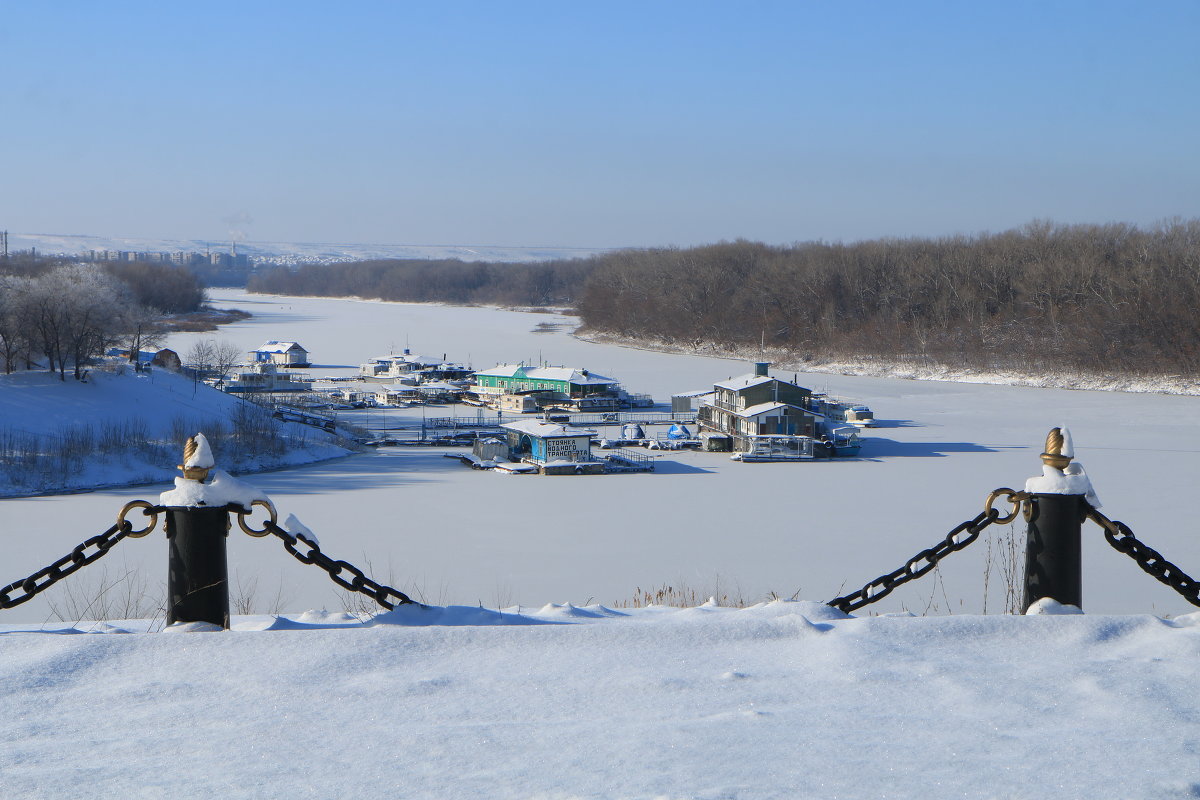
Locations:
(4, 244)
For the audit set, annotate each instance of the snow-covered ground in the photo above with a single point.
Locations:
(39, 404)
(785, 700)
(429, 526)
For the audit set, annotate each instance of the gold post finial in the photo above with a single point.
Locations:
(192, 473)
(1053, 457)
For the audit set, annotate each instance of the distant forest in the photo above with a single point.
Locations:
(546, 283)
(1099, 298)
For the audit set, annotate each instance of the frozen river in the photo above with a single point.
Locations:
(447, 534)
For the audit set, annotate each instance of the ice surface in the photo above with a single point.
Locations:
(435, 529)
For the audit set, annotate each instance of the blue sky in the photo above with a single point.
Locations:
(594, 125)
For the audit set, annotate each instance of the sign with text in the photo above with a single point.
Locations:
(567, 449)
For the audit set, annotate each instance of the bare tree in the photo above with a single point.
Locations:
(14, 339)
(225, 356)
(200, 357)
(94, 310)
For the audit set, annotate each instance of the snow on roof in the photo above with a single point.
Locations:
(762, 408)
(579, 377)
(695, 393)
(744, 381)
(568, 374)
(279, 347)
(409, 358)
(545, 430)
(501, 370)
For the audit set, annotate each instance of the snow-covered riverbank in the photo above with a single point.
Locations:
(918, 369)
(121, 428)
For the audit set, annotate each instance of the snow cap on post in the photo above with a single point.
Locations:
(195, 489)
(1061, 474)
(197, 458)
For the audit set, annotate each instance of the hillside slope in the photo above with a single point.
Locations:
(119, 428)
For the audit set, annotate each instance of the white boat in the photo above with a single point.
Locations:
(860, 416)
(265, 377)
(851, 413)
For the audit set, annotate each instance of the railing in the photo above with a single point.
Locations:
(621, 459)
(566, 417)
(1055, 506)
(197, 526)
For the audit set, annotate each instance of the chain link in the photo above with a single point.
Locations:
(85, 553)
(927, 560)
(385, 596)
(1150, 560)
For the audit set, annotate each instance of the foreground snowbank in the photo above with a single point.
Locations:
(781, 700)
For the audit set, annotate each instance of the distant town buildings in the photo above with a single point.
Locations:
(180, 258)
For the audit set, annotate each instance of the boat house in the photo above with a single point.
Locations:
(757, 405)
(554, 449)
(774, 419)
(265, 378)
(406, 367)
(284, 354)
(566, 387)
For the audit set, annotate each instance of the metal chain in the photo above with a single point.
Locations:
(926, 560)
(385, 596)
(80, 557)
(1150, 560)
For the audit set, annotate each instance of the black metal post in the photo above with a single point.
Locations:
(197, 570)
(1052, 551)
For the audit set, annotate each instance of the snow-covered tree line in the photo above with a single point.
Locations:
(1105, 299)
(62, 318)
(432, 281)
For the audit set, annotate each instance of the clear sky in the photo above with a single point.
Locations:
(594, 124)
